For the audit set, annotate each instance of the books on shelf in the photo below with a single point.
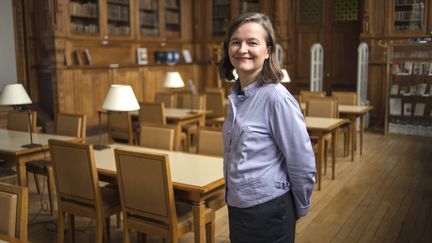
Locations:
(421, 89)
(418, 68)
(394, 89)
(187, 56)
(395, 106)
(142, 56)
(87, 57)
(407, 109)
(419, 109)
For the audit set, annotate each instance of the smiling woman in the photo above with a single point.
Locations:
(268, 158)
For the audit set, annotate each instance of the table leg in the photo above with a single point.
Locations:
(198, 209)
(177, 142)
(333, 137)
(22, 174)
(361, 133)
(353, 137)
(319, 160)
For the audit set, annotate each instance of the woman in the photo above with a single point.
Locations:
(269, 164)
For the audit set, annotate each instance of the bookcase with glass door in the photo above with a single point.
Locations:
(409, 79)
(410, 16)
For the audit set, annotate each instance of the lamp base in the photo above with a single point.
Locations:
(100, 147)
(31, 145)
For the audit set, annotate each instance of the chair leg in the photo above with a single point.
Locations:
(108, 228)
(72, 226)
(126, 236)
(36, 180)
(210, 231)
(60, 226)
(325, 157)
(99, 230)
(51, 188)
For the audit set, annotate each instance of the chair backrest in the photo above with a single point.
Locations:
(345, 97)
(14, 211)
(73, 125)
(152, 113)
(19, 120)
(169, 99)
(154, 136)
(120, 126)
(215, 102)
(75, 174)
(210, 142)
(146, 190)
(196, 102)
(305, 95)
(322, 107)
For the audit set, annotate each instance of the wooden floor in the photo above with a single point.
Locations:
(383, 196)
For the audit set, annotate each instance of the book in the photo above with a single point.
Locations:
(417, 68)
(397, 68)
(403, 90)
(419, 109)
(87, 57)
(412, 90)
(142, 57)
(407, 111)
(187, 56)
(76, 57)
(421, 89)
(426, 68)
(407, 68)
(394, 89)
(395, 106)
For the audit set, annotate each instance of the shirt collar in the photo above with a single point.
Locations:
(248, 91)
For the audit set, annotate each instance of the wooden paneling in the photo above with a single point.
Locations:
(92, 87)
(66, 91)
(304, 41)
(130, 76)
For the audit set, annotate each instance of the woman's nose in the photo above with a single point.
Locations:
(243, 48)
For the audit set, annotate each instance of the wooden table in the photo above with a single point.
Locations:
(180, 117)
(15, 155)
(10, 239)
(195, 178)
(352, 112)
(321, 126)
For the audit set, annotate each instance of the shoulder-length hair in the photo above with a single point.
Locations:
(271, 71)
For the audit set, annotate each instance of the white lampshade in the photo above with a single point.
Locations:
(14, 94)
(120, 98)
(286, 78)
(173, 80)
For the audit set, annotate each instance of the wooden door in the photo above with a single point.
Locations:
(336, 25)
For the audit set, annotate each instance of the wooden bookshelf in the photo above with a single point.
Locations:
(118, 17)
(409, 16)
(84, 16)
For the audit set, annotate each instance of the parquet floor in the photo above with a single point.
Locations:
(385, 195)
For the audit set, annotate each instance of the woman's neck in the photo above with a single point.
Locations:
(246, 79)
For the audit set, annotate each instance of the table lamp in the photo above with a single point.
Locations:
(286, 78)
(119, 98)
(173, 80)
(16, 96)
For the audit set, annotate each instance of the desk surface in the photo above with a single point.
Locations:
(354, 109)
(196, 172)
(11, 141)
(323, 123)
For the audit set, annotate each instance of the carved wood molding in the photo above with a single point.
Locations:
(20, 42)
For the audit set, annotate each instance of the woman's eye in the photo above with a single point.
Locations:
(234, 42)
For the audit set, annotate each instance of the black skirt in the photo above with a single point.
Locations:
(269, 222)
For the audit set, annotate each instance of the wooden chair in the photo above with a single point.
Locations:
(305, 95)
(197, 102)
(19, 121)
(14, 211)
(154, 113)
(120, 127)
(324, 107)
(147, 198)
(346, 98)
(78, 190)
(159, 137)
(210, 142)
(215, 101)
(73, 125)
(169, 99)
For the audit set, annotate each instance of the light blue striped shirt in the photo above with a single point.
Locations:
(267, 150)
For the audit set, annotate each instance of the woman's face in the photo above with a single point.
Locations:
(247, 49)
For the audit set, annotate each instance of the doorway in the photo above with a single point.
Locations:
(336, 25)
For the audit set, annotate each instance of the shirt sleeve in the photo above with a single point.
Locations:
(289, 131)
